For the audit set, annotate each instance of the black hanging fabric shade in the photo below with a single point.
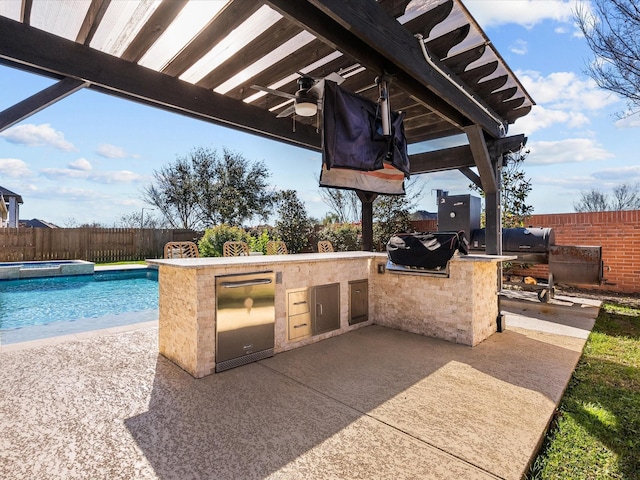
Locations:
(352, 133)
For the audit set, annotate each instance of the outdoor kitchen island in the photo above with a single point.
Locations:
(320, 295)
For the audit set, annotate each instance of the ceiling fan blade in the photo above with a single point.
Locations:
(274, 92)
(335, 77)
(287, 111)
(318, 88)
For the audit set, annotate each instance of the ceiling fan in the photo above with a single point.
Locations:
(308, 98)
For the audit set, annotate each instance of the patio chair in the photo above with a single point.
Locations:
(235, 249)
(276, 248)
(325, 246)
(181, 250)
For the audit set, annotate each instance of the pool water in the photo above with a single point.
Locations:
(41, 307)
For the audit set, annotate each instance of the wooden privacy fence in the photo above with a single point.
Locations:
(100, 245)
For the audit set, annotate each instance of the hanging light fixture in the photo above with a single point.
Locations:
(306, 103)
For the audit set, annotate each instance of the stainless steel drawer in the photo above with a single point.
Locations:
(299, 326)
(297, 302)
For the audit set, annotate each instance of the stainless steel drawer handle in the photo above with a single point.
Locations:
(299, 303)
(250, 283)
(300, 326)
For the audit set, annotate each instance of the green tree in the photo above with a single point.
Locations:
(391, 212)
(612, 31)
(233, 189)
(204, 188)
(293, 224)
(515, 188)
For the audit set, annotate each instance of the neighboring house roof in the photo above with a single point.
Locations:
(36, 223)
(6, 193)
(423, 215)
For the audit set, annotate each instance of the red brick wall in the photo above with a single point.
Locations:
(618, 233)
(425, 225)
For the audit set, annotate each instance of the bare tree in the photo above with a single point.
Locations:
(135, 219)
(592, 201)
(612, 31)
(174, 193)
(626, 197)
(344, 204)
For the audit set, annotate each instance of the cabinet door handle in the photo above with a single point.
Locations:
(319, 312)
(300, 326)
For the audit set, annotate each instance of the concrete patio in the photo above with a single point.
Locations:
(372, 403)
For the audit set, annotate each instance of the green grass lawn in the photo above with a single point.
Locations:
(597, 430)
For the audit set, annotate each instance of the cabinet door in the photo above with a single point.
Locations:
(358, 301)
(326, 308)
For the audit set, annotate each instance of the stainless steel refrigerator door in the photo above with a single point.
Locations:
(245, 315)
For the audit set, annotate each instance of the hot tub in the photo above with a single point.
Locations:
(49, 268)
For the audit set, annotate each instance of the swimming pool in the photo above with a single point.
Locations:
(37, 308)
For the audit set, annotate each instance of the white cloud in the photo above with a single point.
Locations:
(120, 176)
(562, 98)
(519, 47)
(565, 90)
(629, 121)
(571, 150)
(628, 174)
(14, 168)
(37, 136)
(491, 13)
(81, 164)
(108, 177)
(111, 151)
(540, 118)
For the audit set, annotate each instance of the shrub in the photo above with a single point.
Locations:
(210, 245)
(343, 236)
(258, 240)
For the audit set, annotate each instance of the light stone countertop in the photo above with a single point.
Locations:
(302, 257)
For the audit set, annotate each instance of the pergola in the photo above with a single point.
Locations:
(200, 58)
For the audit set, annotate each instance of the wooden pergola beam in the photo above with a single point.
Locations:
(441, 160)
(22, 46)
(363, 30)
(39, 101)
(481, 158)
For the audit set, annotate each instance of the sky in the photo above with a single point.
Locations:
(88, 157)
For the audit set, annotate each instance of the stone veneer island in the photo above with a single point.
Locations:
(460, 307)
